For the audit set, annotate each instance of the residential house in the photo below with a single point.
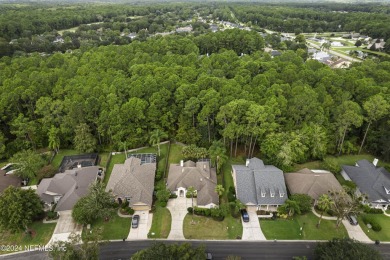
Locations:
(214, 27)
(65, 189)
(185, 29)
(259, 186)
(198, 175)
(7, 180)
(311, 183)
(377, 44)
(371, 180)
(133, 181)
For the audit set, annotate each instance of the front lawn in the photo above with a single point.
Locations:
(161, 225)
(384, 221)
(41, 236)
(291, 229)
(207, 228)
(115, 228)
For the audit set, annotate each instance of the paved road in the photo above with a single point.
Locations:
(220, 250)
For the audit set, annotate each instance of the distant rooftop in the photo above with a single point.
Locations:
(144, 157)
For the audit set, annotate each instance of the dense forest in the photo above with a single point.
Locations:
(291, 109)
(197, 88)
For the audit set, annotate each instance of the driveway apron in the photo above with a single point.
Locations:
(355, 232)
(65, 226)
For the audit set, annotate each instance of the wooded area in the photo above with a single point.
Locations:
(196, 88)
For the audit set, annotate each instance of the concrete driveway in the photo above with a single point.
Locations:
(251, 230)
(65, 226)
(356, 232)
(178, 208)
(145, 221)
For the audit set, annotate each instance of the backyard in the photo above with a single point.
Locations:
(383, 221)
(291, 229)
(227, 175)
(115, 228)
(206, 228)
(161, 225)
(41, 235)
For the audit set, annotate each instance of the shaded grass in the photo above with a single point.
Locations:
(161, 225)
(42, 235)
(175, 153)
(116, 228)
(227, 179)
(290, 229)
(207, 228)
(384, 221)
(103, 159)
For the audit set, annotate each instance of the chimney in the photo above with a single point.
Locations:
(375, 162)
(181, 163)
(247, 163)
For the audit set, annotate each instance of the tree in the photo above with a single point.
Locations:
(27, 164)
(358, 43)
(344, 204)
(219, 189)
(163, 194)
(97, 204)
(2, 145)
(18, 208)
(54, 139)
(304, 202)
(163, 251)
(376, 107)
(324, 203)
(84, 141)
(74, 250)
(191, 192)
(217, 152)
(290, 207)
(346, 249)
(155, 138)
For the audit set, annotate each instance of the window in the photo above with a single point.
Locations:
(281, 194)
(263, 194)
(127, 199)
(272, 194)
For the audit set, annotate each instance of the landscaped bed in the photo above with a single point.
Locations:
(161, 225)
(115, 228)
(207, 228)
(291, 229)
(383, 221)
(41, 234)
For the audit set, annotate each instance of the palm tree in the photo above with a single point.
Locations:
(324, 203)
(155, 138)
(191, 191)
(217, 152)
(219, 189)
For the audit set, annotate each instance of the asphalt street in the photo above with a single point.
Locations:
(220, 250)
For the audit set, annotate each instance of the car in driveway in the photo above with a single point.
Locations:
(135, 222)
(245, 215)
(352, 219)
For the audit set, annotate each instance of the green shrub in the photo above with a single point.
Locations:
(190, 210)
(51, 215)
(130, 211)
(367, 219)
(163, 204)
(159, 175)
(173, 196)
(304, 202)
(331, 165)
(125, 204)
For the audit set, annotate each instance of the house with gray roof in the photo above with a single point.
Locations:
(66, 188)
(370, 180)
(259, 186)
(7, 180)
(198, 175)
(133, 181)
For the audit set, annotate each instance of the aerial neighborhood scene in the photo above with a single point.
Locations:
(194, 130)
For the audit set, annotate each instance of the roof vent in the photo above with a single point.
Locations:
(201, 179)
(375, 162)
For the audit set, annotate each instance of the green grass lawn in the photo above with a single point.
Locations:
(116, 228)
(161, 225)
(290, 229)
(384, 221)
(103, 159)
(41, 236)
(175, 153)
(207, 228)
(60, 155)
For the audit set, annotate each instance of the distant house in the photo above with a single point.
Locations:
(259, 186)
(311, 183)
(214, 27)
(65, 189)
(58, 39)
(133, 181)
(275, 53)
(132, 35)
(185, 29)
(371, 180)
(198, 175)
(378, 44)
(336, 44)
(7, 180)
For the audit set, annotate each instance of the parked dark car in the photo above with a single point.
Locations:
(245, 215)
(135, 222)
(352, 219)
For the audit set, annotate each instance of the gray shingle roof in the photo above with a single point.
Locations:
(133, 179)
(198, 175)
(260, 184)
(70, 185)
(8, 180)
(371, 180)
(313, 184)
